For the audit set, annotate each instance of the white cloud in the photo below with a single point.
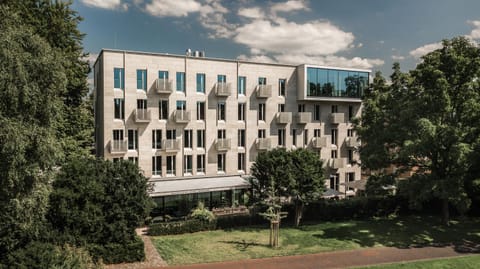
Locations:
(253, 13)
(168, 8)
(92, 57)
(419, 52)
(360, 45)
(291, 5)
(329, 60)
(106, 4)
(311, 38)
(398, 57)
(212, 17)
(256, 58)
(475, 33)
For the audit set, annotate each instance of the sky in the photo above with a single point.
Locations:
(366, 34)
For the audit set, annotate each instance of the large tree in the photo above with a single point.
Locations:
(428, 123)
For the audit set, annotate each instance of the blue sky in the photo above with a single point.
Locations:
(370, 34)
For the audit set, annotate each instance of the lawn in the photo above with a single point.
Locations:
(252, 242)
(471, 262)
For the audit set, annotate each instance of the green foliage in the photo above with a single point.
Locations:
(46, 255)
(131, 251)
(98, 202)
(181, 227)
(377, 185)
(202, 214)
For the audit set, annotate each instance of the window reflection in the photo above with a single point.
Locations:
(335, 83)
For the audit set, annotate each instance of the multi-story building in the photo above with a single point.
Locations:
(194, 124)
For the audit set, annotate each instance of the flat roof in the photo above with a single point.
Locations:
(227, 60)
(197, 185)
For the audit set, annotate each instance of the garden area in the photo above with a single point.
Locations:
(253, 241)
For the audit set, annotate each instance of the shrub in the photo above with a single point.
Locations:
(202, 214)
(46, 255)
(180, 227)
(132, 251)
(231, 221)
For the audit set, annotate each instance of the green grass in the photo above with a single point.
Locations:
(252, 242)
(470, 262)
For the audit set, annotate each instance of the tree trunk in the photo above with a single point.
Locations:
(298, 212)
(445, 212)
(276, 227)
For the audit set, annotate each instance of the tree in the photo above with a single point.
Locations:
(32, 82)
(430, 119)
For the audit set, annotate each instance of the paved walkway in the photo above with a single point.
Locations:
(337, 259)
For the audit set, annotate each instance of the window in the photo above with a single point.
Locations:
(281, 87)
(305, 137)
(281, 107)
(261, 111)
(171, 134)
(294, 137)
(201, 83)
(188, 164)
(221, 111)
(316, 115)
(334, 109)
(221, 134)
(171, 165)
(141, 79)
(301, 108)
(261, 133)
(117, 135)
(157, 165)
(350, 177)
(200, 110)
(134, 160)
(334, 182)
(334, 154)
(119, 108)
(157, 139)
(222, 78)
(316, 133)
(350, 156)
(200, 138)
(163, 74)
(241, 112)
(241, 162)
(242, 82)
(181, 105)
(350, 133)
(201, 163)
(281, 137)
(118, 78)
(181, 82)
(241, 138)
(334, 136)
(141, 103)
(163, 109)
(221, 162)
(132, 139)
(187, 139)
(350, 112)
(262, 81)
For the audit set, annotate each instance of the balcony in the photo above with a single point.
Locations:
(264, 91)
(182, 116)
(284, 117)
(163, 86)
(337, 118)
(263, 143)
(336, 163)
(222, 89)
(351, 142)
(320, 142)
(142, 115)
(304, 117)
(222, 144)
(117, 146)
(170, 145)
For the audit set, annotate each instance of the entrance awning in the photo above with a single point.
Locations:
(357, 184)
(197, 185)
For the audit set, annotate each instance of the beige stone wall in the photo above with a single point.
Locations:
(211, 68)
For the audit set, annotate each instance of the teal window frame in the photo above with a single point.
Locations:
(180, 87)
(142, 79)
(200, 83)
(242, 84)
(118, 78)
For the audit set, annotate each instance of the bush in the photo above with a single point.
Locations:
(132, 251)
(202, 214)
(227, 222)
(180, 227)
(46, 255)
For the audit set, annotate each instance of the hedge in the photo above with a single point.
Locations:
(132, 251)
(180, 227)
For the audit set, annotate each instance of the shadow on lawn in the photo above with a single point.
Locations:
(409, 232)
(244, 244)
